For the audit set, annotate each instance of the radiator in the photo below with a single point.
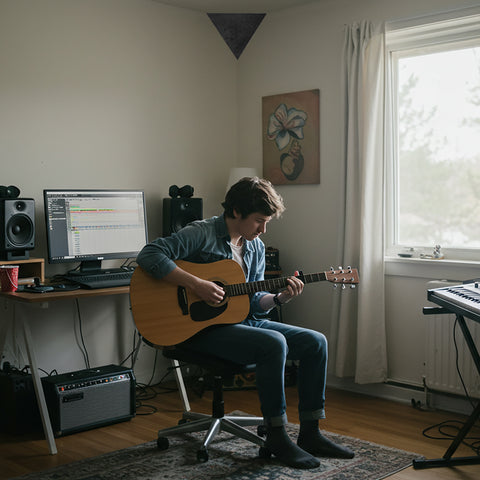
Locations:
(441, 356)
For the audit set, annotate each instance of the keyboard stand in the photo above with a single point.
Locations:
(448, 460)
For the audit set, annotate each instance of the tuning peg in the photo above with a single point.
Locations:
(332, 269)
(349, 268)
(335, 285)
(352, 287)
(343, 286)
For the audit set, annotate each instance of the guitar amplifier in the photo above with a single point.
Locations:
(89, 398)
(272, 259)
(18, 406)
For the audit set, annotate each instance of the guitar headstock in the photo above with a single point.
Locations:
(344, 276)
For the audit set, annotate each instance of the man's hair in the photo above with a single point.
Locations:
(251, 195)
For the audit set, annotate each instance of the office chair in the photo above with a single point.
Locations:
(217, 421)
(144, 299)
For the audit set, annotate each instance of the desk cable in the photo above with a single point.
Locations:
(83, 347)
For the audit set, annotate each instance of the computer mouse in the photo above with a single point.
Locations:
(38, 289)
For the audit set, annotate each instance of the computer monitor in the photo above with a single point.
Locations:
(89, 226)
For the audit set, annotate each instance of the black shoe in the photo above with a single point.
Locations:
(321, 446)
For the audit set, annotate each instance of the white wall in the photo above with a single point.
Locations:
(111, 94)
(300, 49)
(132, 93)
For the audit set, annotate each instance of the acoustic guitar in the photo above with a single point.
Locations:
(166, 314)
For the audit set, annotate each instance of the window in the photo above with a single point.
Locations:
(433, 180)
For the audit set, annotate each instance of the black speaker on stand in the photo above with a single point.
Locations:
(180, 209)
(17, 228)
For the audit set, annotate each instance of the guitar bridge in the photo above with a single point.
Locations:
(182, 300)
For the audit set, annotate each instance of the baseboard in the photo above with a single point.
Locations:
(414, 395)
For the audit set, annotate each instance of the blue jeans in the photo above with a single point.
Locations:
(268, 345)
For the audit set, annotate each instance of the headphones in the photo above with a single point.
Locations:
(9, 192)
(184, 192)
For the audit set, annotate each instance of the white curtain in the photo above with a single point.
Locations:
(358, 323)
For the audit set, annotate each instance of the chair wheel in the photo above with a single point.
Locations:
(262, 431)
(264, 452)
(162, 443)
(202, 455)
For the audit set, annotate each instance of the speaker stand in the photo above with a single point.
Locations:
(16, 255)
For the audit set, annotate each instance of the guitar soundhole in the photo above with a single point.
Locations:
(203, 311)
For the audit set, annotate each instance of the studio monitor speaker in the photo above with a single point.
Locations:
(180, 211)
(17, 228)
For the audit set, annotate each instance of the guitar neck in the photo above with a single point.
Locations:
(236, 289)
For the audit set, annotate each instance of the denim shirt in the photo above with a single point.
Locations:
(204, 241)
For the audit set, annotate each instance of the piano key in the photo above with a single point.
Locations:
(466, 296)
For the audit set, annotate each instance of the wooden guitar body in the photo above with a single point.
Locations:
(160, 315)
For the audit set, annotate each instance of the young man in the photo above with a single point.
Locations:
(249, 205)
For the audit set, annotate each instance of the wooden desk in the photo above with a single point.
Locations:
(43, 299)
(27, 297)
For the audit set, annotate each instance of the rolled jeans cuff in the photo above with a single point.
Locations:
(312, 415)
(276, 421)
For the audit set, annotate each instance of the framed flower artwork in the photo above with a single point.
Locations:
(291, 137)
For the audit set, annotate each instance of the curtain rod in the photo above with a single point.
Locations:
(432, 18)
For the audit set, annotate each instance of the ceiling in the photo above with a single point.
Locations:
(235, 6)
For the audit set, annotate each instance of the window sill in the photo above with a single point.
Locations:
(456, 270)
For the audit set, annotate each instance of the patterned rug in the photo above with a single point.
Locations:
(229, 458)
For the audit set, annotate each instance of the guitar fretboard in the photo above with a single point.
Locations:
(271, 284)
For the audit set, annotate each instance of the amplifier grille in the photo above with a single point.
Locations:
(89, 398)
(93, 404)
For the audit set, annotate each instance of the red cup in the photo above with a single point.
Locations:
(9, 278)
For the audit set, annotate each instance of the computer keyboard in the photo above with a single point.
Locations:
(102, 280)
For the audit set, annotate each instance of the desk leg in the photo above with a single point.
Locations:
(181, 385)
(37, 384)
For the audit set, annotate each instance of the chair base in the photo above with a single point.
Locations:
(217, 421)
(197, 422)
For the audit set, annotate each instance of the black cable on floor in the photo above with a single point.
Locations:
(449, 429)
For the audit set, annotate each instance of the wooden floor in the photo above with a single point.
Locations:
(380, 421)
